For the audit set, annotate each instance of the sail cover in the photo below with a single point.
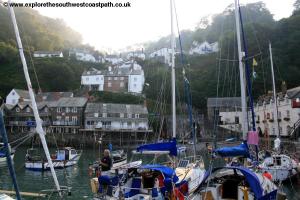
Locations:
(240, 150)
(166, 171)
(162, 146)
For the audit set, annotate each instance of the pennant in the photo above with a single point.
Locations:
(254, 63)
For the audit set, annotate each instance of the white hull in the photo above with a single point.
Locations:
(57, 164)
(282, 167)
(3, 161)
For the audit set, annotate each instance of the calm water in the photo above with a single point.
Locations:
(75, 177)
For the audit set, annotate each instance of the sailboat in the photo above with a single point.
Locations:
(281, 166)
(176, 179)
(237, 182)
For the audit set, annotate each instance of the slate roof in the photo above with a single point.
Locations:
(224, 102)
(70, 102)
(22, 93)
(52, 96)
(115, 108)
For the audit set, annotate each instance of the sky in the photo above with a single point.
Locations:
(146, 20)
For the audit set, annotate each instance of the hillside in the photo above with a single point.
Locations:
(260, 28)
(39, 32)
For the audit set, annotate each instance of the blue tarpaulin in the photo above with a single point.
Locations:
(166, 171)
(2, 154)
(163, 146)
(240, 150)
(250, 176)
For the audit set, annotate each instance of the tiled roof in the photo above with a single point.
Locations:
(52, 96)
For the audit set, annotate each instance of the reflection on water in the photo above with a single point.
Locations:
(77, 177)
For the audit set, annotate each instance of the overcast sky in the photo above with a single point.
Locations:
(145, 20)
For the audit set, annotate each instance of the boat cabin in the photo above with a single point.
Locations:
(67, 153)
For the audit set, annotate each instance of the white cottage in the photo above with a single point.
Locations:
(17, 96)
(82, 55)
(163, 54)
(203, 48)
(93, 79)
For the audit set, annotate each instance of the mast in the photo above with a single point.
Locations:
(173, 73)
(274, 94)
(242, 73)
(38, 120)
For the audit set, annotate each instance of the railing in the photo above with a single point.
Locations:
(292, 131)
(63, 123)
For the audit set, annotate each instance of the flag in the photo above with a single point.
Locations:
(254, 63)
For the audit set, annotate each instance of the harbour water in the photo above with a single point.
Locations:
(76, 177)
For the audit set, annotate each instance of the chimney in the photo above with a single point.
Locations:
(283, 87)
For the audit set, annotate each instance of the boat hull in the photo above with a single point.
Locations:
(57, 164)
(3, 161)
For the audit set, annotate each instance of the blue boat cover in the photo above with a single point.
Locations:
(163, 146)
(2, 154)
(166, 171)
(250, 176)
(240, 150)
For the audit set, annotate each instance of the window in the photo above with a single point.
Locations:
(121, 115)
(58, 118)
(129, 115)
(279, 115)
(137, 116)
(74, 109)
(74, 119)
(115, 78)
(59, 110)
(87, 78)
(46, 109)
(109, 78)
(122, 84)
(67, 119)
(97, 79)
(67, 109)
(17, 109)
(28, 109)
(122, 78)
(109, 84)
(14, 101)
(135, 79)
(288, 113)
(104, 114)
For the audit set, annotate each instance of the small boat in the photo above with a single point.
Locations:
(281, 167)
(235, 183)
(63, 158)
(3, 155)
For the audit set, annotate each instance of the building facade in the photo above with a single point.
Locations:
(103, 116)
(19, 118)
(122, 78)
(163, 54)
(82, 55)
(288, 105)
(68, 114)
(48, 54)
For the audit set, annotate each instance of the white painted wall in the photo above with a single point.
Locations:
(136, 83)
(164, 52)
(43, 55)
(89, 80)
(13, 98)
